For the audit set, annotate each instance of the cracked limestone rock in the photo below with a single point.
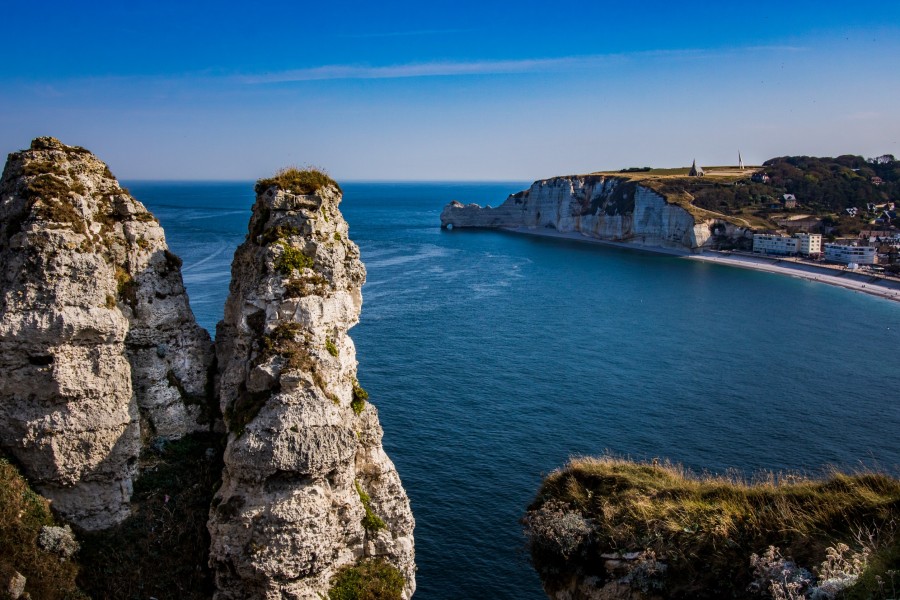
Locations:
(99, 349)
(307, 487)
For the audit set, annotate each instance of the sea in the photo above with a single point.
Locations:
(495, 357)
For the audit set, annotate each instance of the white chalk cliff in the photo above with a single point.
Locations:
(597, 206)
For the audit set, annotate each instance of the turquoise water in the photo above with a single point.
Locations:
(494, 357)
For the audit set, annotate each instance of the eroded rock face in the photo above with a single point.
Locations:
(605, 208)
(98, 345)
(304, 466)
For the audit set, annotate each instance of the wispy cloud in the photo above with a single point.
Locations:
(428, 69)
(484, 67)
(419, 32)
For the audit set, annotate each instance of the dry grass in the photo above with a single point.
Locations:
(708, 526)
(22, 515)
(297, 181)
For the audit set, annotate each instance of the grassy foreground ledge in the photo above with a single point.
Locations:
(656, 530)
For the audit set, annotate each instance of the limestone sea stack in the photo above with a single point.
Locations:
(99, 350)
(307, 490)
(601, 207)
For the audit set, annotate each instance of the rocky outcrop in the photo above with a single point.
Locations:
(307, 488)
(601, 207)
(102, 364)
(99, 350)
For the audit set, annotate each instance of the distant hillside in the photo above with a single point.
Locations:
(823, 188)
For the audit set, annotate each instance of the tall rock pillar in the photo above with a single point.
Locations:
(307, 488)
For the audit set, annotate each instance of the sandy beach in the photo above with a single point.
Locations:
(851, 280)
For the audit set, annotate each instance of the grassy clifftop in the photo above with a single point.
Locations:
(658, 529)
(297, 181)
(688, 192)
(823, 186)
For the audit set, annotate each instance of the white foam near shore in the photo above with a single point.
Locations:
(875, 286)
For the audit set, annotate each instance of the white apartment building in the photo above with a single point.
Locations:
(800, 243)
(764, 243)
(861, 255)
(810, 243)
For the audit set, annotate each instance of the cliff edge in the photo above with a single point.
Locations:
(616, 529)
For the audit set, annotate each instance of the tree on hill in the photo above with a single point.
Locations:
(834, 184)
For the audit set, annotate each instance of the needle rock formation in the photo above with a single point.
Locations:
(102, 363)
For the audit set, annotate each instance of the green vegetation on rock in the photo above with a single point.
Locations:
(279, 233)
(292, 259)
(23, 515)
(126, 287)
(297, 181)
(360, 396)
(331, 347)
(704, 528)
(371, 521)
(374, 579)
(283, 341)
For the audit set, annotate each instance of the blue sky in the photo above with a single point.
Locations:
(448, 90)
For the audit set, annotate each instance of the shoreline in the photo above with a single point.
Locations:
(882, 288)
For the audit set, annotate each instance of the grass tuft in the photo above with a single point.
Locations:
(292, 259)
(374, 579)
(297, 181)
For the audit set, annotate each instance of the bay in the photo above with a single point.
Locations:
(494, 357)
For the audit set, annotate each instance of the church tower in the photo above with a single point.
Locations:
(695, 170)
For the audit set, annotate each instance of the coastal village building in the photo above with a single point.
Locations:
(760, 177)
(874, 236)
(860, 255)
(810, 243)
(804, 244)
(789, 200)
